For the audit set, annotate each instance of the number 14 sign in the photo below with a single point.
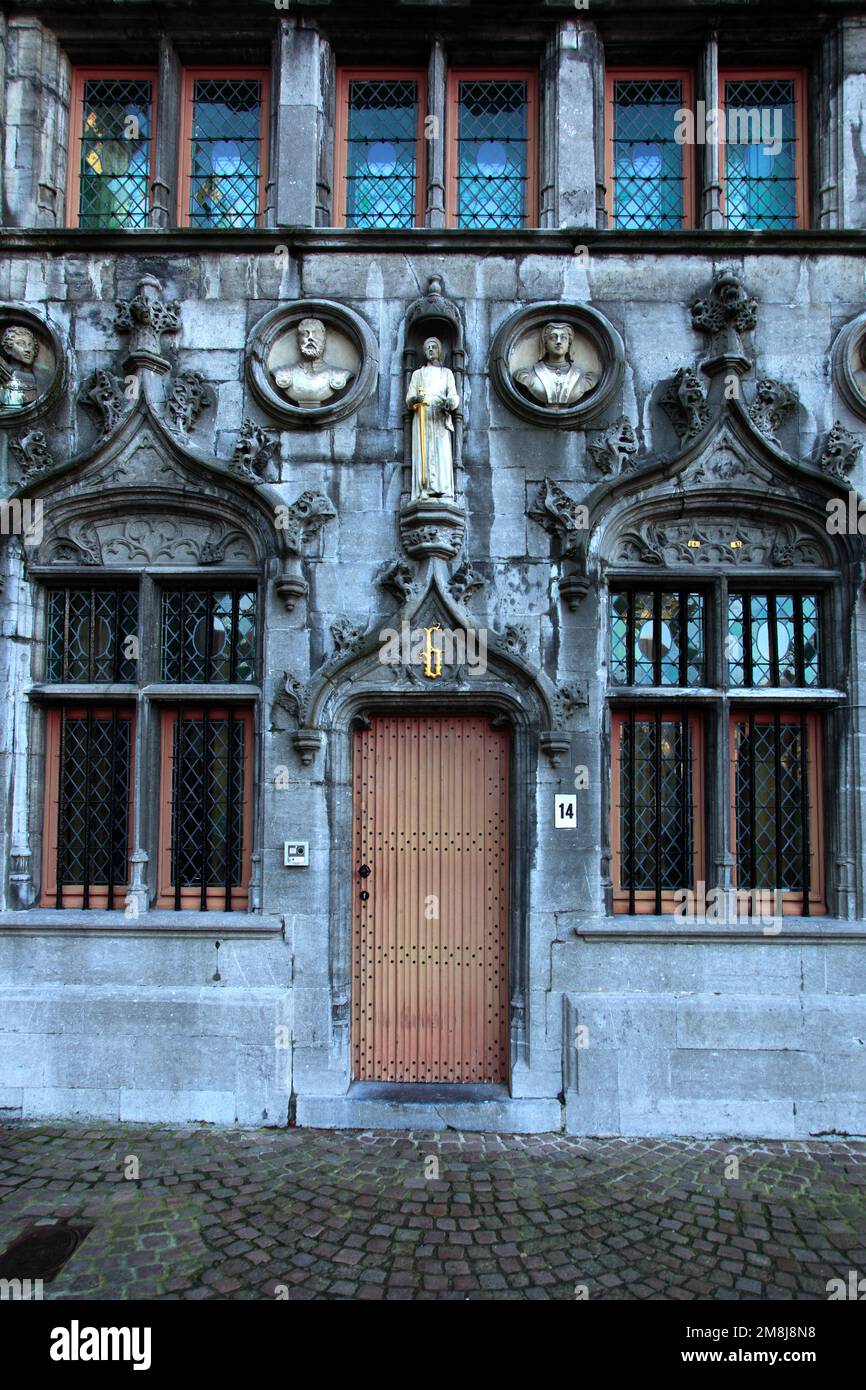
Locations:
(565, 812)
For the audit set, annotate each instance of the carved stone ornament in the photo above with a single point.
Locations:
(397, 578)
(255, 450)
(773, 403)
(146, 317)
(432, 527)
(514, 639)
(616, 450)
(465, 581)
(723, 315)
(840, 453)
(848, 361)
(304, 519)
(312, 362)
(77, 546)
(569, 697)
(704, 541)
(290, 697)
(32, 366)
(685, 404)
(347, 636)
(557, 364)
(188, 397)
(103, 396)
(33, 454)
(559, 515)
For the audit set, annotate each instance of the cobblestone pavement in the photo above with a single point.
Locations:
(303, 1214)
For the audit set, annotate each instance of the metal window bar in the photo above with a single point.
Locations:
(748, 673)
(230, 805)
(777, 797)
(178, 803)
(774, 639)
(206, 752)
(804, 801)
(629, 653)
(799, 662)
(62, 818)
(657, 822)
(631, 815)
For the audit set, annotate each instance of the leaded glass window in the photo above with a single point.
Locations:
(382, 150)
(92, 635)
(208, 635)
(773, 785)
(761, 154)
(89, 778)
(494, 152)
(773, 639)
(116, 135)
(657, 637)
(205, 821)
(649, 165)
(656, 754)
(226, 154)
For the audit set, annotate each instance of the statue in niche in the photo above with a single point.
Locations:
(433, 398)
(554, 379)
(311, 381)
(19, 348)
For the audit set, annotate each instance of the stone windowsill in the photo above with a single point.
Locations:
(666, 928)
(44, 921)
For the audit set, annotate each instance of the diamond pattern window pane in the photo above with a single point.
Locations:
(656, 834)
(648, 164)
(761, 153)
(207, 801)
(225, 158)
(116, 131)
(93, 819)
(492, 153)
(771, 810)
(773, 640)
(92, 635)
(208, 635)
(381, 167)
(657, 638)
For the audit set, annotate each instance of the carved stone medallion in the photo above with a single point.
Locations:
(32, 366)
(557, 364)
(849, 365)
(312, 363)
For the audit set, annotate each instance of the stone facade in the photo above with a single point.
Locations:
(243, 1017)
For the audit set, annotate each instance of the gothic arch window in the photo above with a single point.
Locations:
(148, 685)
(725, 673)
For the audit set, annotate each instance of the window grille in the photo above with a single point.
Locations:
(773, 639)
(225, 155)
(89, 777)
(649, 166)
(493, 153)
(92, 635)
(772, 760)
(657, 637)
(761, 184)
(116, 136)
(381, 152)
(656, 812)
(208, 635)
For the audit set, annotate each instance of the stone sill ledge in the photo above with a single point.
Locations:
(667, 929)
(425, 240)
(50, 921)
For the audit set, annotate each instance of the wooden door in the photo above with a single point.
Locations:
(430, 941)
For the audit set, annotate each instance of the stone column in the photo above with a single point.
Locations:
(36, 133)
(707, 165)
(434, 143)
(852, 121)
(302, 146)
(824, 102)
(164, 210)
(572, 128)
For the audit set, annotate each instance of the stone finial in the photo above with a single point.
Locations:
(685, 404)
(616, 450)
(840, 453)
(723, 315)
(146, 317)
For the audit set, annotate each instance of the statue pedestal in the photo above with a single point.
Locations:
(430, 526)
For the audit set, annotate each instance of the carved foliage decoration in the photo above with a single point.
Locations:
(559, 514)
(684, 402)
(187, 399)
(706, 541)
(840, 452)
(723, 315)
(146, 317)
(773, 403)
(34, 455)
(304, 518)
(616, 450)
(465, 581)
(103, 396)
(398, 579)
(255, 450)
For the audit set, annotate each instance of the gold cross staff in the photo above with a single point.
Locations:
(421, 406)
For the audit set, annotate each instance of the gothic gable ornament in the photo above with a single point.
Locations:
(32, 366)
(727, 312)
(557, 364)
(312, 363)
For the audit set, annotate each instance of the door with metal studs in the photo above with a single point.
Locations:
(430, 899)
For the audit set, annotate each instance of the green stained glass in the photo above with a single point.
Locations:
(656, 638)
(492, 153)
(381, 167)
(226, 152)
(619, 638)
(648, 163)
(760, 154)
(116, 134)
(773, 640)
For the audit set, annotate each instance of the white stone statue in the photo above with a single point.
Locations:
(312, 380)
(19, 349)
(554, 379)
(433, 397)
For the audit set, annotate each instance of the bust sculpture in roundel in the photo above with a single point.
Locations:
(554, 379)
(311, 381)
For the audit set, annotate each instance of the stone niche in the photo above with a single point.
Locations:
(558, 365)
(312, 363)
(32, 366)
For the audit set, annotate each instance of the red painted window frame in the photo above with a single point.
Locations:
(798, 76)
(636, 74)
(188, 78)
(79, 77)
(345, 75)
(455, 77)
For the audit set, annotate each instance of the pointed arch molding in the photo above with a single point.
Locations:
(144, 496)
(738, 499)
(355, 676)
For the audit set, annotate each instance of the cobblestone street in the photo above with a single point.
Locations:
(303, 1214)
